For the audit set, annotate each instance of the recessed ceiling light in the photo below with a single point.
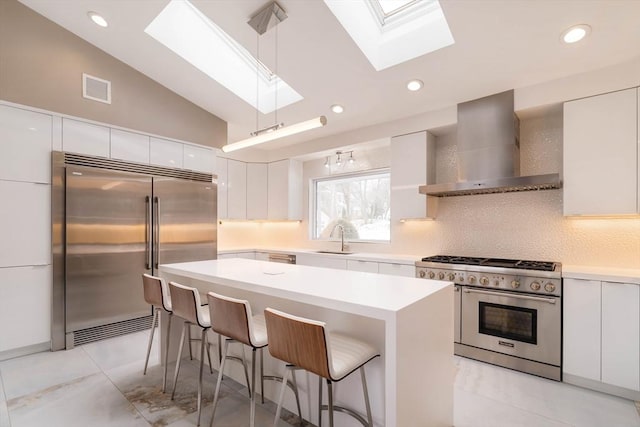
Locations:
(415, 85)
(575, 33)
(337, 108)
(98, 19)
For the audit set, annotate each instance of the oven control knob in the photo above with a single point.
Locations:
(472, 279)
(484, 281)
(432, 275)
(535, 286)
(422, 274)
(549, 287)
(497, 282)
(441, 275)
(515, 284)
(451, 277)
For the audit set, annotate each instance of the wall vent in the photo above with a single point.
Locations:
(96, 89)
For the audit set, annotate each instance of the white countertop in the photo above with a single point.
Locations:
(624, 275)
(367, 294)
(364, 256)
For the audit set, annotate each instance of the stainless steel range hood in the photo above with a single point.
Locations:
(489, 152)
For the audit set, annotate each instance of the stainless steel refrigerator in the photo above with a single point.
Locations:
(112, 222)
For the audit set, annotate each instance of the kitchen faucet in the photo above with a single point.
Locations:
(341, 227)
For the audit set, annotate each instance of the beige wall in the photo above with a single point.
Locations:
(527, 225)
(41, 65)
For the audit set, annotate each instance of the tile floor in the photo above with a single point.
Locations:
(101, 384)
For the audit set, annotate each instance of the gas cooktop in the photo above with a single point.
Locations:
(494, 262)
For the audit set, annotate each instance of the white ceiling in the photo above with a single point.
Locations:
(499, 45)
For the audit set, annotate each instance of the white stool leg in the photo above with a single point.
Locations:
(281, 398)
(215, 396)
(175, 376)
(166, 355)
(366, 396)
(203, 344)
(153, 329)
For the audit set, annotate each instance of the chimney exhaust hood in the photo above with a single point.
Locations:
(489, 152)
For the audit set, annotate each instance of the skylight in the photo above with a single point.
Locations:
(390, 32)
(182, 28)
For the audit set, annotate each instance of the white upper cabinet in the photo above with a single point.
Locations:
(257, 176)
(25, 224)
(129, 146)
(199, 159)
(285, 190)
(221, 172)
(25, 145)
(236, 189)
(412, 165)
(85, 138)
(600, 158)
(166, 153)
(621, 335)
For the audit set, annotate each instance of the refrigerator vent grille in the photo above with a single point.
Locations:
(85, 336)
(120, 165)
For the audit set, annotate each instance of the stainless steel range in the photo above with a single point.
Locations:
(508, 312)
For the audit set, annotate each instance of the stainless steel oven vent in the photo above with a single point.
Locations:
(98, 333)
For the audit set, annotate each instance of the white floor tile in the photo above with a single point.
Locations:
(123, 350)
(4, 415)
(89, 401)
(29, 374)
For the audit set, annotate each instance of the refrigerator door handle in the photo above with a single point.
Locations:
(147, 233)
(156, 231)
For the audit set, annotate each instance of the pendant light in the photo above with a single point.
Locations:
(266, 18)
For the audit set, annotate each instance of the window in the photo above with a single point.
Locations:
(360, 203)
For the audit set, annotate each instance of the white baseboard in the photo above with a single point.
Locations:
(24, 351)
(602, 387)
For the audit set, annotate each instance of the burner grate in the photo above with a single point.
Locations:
(493, 262)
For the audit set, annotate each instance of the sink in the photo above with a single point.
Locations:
(335, 252)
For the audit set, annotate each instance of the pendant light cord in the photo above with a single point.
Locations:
(276, 76)
(257, 79)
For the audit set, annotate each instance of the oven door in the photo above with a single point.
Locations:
(520, 325)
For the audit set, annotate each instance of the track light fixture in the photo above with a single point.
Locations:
(339, 158)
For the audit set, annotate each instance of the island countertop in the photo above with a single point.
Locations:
(367, 294)
(409, 321)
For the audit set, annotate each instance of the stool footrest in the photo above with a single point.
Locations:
(348, 412)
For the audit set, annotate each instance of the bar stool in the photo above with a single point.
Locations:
(233, 319)
(186, 305)
(156, 293)
(306, 344)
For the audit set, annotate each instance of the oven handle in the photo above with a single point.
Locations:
(504, 294)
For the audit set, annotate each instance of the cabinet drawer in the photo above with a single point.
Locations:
(321, 261)
(404, 270)
(25, 224)
(359, 265)
(25, 306)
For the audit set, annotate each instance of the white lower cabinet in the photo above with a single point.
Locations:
(25, 224)
(621, 335)
(25, 306)
(601, 333)
(405, 270)
(360, 265)
(262, 256)
(321, 261)
(247, 255)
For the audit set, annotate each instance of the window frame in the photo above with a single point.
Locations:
(314, 202)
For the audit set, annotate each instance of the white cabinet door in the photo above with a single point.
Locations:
(600, 158)
(285, 190)
(321, 261)
(621, 335)
(129, 146)
(257, 175)
(25, 224)
(166, 153)
(412, 165)
(25, 145)
(262, 256)
(85, 138)
(582, 328)
(236, 189)
(404, 270)
(360, 265)
(199, 159)
(25, 306)
(221, 172)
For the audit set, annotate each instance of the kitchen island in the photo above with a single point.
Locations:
(409, 320)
